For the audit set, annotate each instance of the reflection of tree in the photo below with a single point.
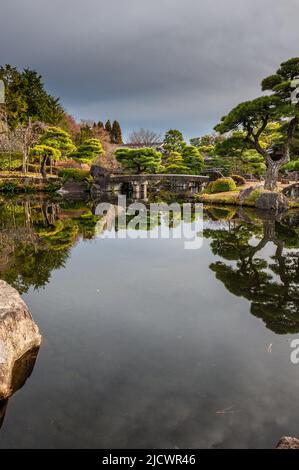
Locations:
(270, 285)
(36, 238)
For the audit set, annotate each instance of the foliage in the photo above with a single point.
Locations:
(74, 174)
(239, 180)
(293, 165)
(173, 141)
(58, 139)
(252, 118)
(192, 159)
(10, 161)
(116, 134)
(143, 160)
(108, 126)
(45, 151)
(85, 133)
(88, 151)
(222, 185)
(174, 164)
(26, 97)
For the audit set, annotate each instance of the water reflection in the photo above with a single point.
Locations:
(36, 238)
(22, 370)
(270, 283)
(166, 341)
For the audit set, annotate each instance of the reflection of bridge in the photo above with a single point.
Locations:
(106, 182)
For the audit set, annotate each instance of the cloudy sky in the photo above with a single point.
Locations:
(154, 63)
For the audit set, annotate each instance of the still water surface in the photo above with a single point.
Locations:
(148, 345)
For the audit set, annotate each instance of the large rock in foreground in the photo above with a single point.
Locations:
(18, 336)
(272, 201)
(288, 443)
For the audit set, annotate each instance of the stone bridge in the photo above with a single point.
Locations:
(104, 181)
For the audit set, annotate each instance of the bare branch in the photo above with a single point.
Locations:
(144, 137)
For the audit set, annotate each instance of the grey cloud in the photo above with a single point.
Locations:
(158, 63)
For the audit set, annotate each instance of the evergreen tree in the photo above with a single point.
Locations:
(143, 160)
(116, 134)
(252, 117)
(108, 127)
(26, 97)
(53, 144)
(173, 141)
(88, 151)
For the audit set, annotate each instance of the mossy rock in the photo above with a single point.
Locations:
(248, 196)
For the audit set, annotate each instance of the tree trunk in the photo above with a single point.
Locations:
(25, 160)
(272, 174)
(43, 168)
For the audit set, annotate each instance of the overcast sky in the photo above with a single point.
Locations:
(158, 64)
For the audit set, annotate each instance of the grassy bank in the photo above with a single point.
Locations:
(232, 197)
(20, 183)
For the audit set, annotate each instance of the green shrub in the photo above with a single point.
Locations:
(293, 165)
(10, 161)
(74, 174)
(239, 180)
(222, 185)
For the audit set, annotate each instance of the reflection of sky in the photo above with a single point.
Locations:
(142, 347)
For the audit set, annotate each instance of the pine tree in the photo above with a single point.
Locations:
(116, 135)
(100, 125)
(108, 127)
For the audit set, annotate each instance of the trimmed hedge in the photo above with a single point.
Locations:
(222, 185)
(239, 180)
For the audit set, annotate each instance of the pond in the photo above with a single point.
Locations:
(146, 344)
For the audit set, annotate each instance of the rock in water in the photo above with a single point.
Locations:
(272, 201)
(245, 193)
(288, 443)
(18, 335)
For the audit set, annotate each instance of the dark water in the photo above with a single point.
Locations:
(148, 345)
